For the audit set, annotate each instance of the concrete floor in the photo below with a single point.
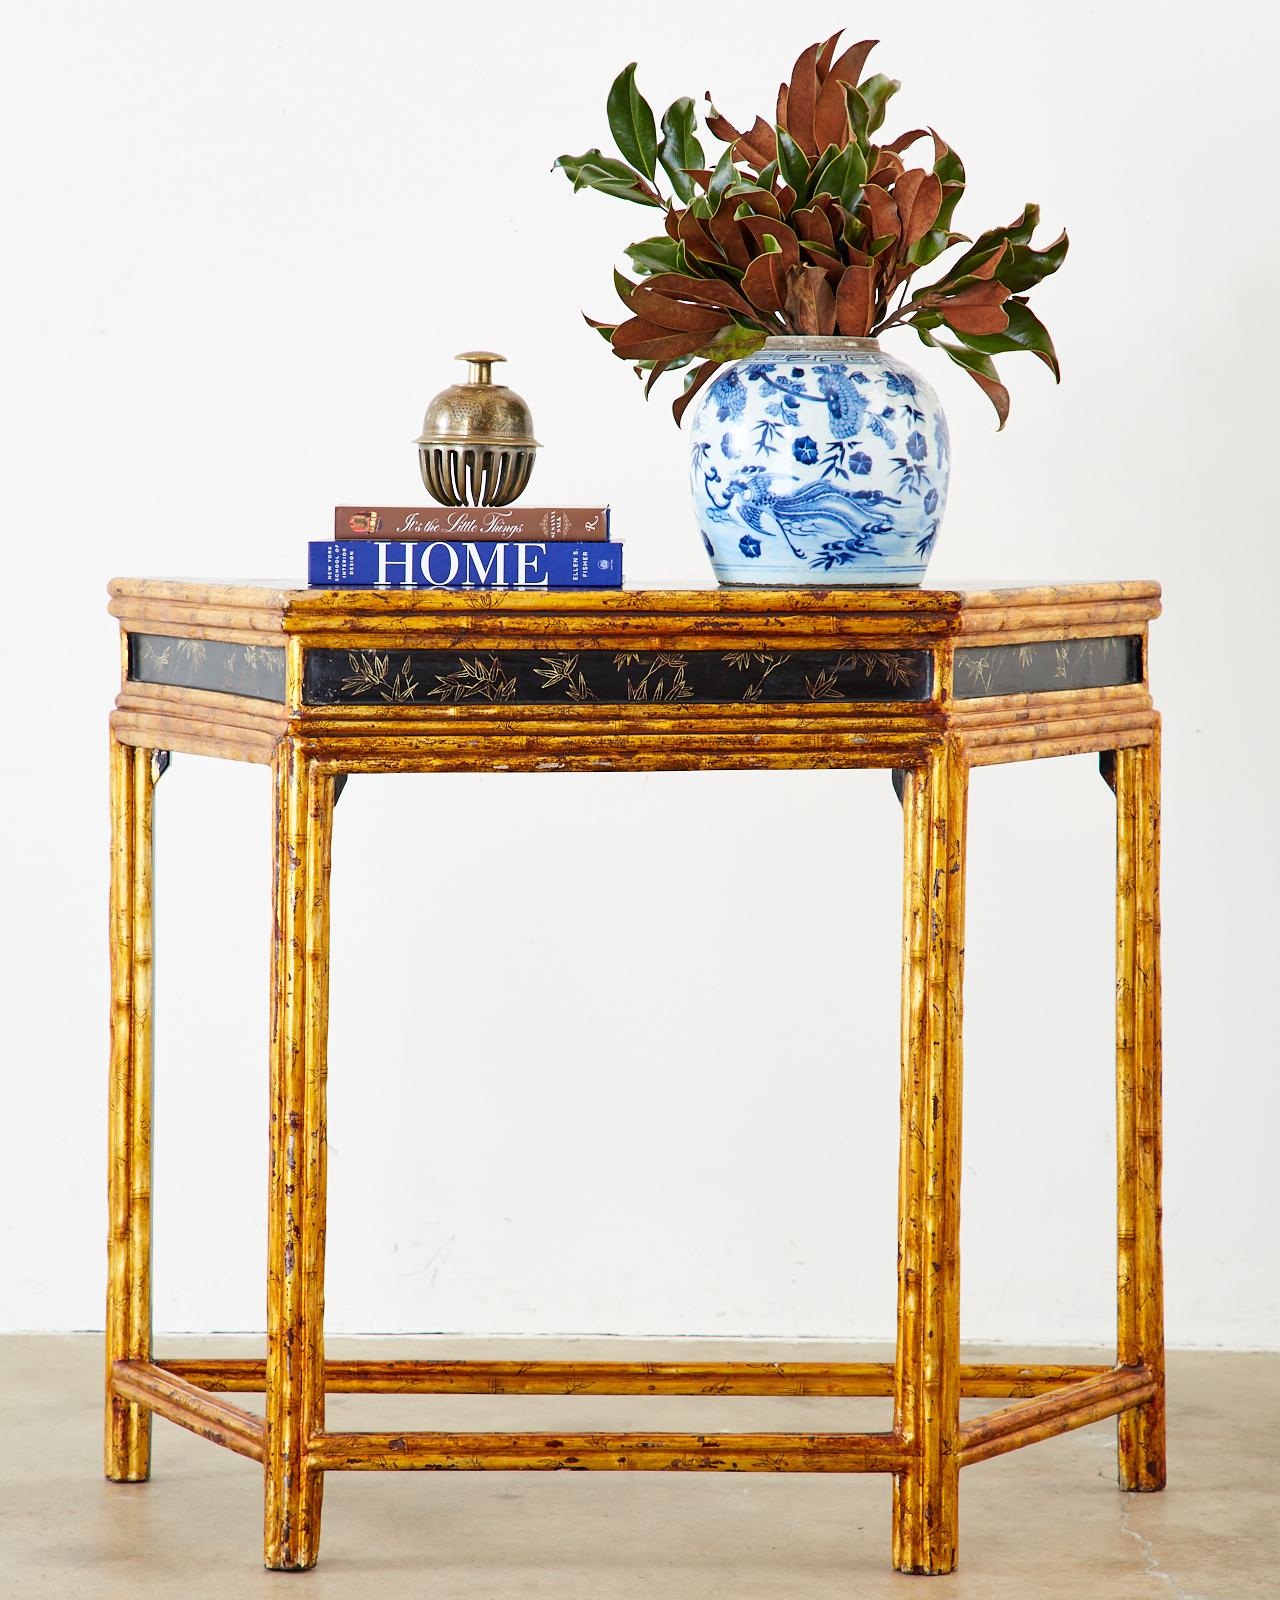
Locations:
(1046, 1523)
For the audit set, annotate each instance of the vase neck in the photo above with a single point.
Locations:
(818, 343)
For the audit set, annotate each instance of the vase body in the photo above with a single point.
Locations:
(819, 461)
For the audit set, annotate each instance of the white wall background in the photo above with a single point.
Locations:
(642, 1077)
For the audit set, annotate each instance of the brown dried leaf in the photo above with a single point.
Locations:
(904, 141)
(759, 145)
(888, 169)
(702, 291)
(679, 315)
(977, 309)
(802, 100)
(882, 213)
(697, 241)
(847, 68)
(823, 63)
(979, 294)
(764, 283)
(655, 372)
(987, 269)
(975, 319)
(836, 214)
(813, 223)
(727, 233)
(757, 227)
(904, 192)
(761, 200)
(924, 208)
(995, 391)
(809, 303)
(833, 266)
(700, 375)
(640, 340)
(856, 301)
(831, 116)
(723, 129)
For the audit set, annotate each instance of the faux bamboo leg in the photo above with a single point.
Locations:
(127, 1454)
(296, 1225)
(927, 1367)
(1140, 1298)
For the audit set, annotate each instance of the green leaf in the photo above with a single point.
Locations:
(949, 167)
(859, 113)
(624, 286)
(1020, 232)
(619, 171)
(855, 176)
(877, 91)
(723, 176)
(680, 147)
(1017, 232)
(1025, 332)
(689, 265)
(732, 343)
(631, 122)
(819, 180)
(980, 368)
(769, 245)
(793, 167)
(767, 176)
(973, 262)
(596, 171)
(659, 254)
(939, 237)
(1022, 267)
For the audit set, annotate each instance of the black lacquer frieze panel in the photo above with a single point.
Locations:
(255, 670)
(1054, 664)
(608, 677)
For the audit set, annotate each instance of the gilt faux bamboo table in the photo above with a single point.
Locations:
(926, 684)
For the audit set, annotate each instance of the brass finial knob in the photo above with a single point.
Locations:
(479, 364)
(477, 440)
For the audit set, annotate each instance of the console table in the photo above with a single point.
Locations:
(926, 684)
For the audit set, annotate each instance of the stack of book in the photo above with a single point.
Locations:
(466, 547)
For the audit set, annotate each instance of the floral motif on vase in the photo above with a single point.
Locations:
(819, 467)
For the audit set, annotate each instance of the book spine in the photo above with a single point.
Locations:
(582, 524)
(455, 564)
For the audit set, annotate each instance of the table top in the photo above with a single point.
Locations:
(473, 679)
(265, 601)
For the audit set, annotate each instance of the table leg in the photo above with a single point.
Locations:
(127, 1454)
(296, 1202)
(926, 1373)
(1140, 1297)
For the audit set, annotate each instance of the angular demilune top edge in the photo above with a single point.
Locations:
(298, 607)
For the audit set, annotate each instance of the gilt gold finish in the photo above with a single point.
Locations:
(477, 444)
(932, 726)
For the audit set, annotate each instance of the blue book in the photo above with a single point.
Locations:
(459, 564)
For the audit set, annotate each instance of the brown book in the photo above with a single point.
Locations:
(583, 524)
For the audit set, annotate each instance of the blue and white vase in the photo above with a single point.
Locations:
(819, 461)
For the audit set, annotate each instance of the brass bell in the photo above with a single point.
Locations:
(477, 439)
